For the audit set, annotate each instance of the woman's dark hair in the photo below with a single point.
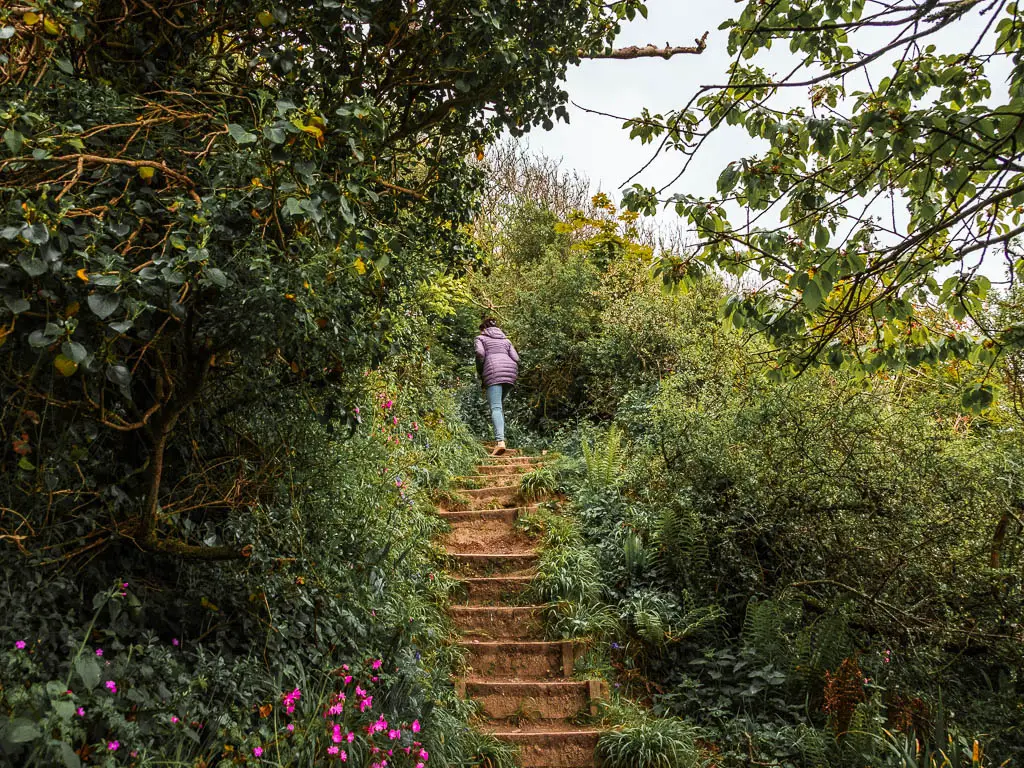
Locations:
(488, 322)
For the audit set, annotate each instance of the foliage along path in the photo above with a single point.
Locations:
(523, 683)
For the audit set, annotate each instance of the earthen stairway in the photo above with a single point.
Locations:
(524, 684)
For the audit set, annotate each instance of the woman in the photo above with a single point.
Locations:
(497, 362)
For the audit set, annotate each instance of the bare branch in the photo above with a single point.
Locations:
(650, 51)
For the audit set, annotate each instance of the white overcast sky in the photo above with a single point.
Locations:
(601, 150)
(597, 146)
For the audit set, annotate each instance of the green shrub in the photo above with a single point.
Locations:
(650, 743)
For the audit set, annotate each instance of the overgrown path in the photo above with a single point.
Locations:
(523, 683)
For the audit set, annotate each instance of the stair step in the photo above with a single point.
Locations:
(478, 564)
(504, 461)
(493, 479)
(507, 514)
(512, 470)
(553, 749)
(493, 538)
(498, 622)
(505, 493)
(529, 701)
(508, 451)
(517, 660)
(490, 590)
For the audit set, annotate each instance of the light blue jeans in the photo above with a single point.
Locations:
(496, 397)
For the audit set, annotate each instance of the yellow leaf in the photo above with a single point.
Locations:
(51, 27)
(30, 18)
(83, 275)
(72, 309)
(207, 604)
(360, 266)
(65, 365)
(310, 129)
(146, 172)
(265, 18)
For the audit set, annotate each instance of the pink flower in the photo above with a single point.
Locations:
(80, 711)
(333, 750)
(336, 736)
(377, 664)
(174, 642)
(356, 409)
(415, 426)
(99, 651)
(424, 755)
(290, 727)
(174, 718)
(394, 420)
(348, 679)
(351, 737)
(343, 755)
(409, 435)
(19, 644)
(388, 405)
(415, 726)
(257, 751)
(124, 585)
(394, 734)
(113, 746)
(111, 686)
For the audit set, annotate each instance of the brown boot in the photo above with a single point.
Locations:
(499, 448)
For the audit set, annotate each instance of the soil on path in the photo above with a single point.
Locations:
(523, 683)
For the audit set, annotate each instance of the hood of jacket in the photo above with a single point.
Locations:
(493, 333)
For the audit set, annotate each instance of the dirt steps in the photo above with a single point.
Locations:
(523, 683)
(570, 748)
(507, 515)
(487, 564)
(518, 701)
(520, 660)
(491, 590)
(493, 622)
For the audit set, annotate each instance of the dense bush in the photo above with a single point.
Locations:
(809, 569)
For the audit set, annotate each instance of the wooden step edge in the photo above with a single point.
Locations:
(496, 512)
(469, 609)
(510, 735)
(498, 556)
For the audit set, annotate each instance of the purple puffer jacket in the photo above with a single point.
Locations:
(499, 357)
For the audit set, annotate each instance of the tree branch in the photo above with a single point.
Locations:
(650, 51)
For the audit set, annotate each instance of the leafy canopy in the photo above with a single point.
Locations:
(867, 217)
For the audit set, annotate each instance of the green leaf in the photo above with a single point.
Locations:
(21, 729)
(67, 754)
(25, 464)
(812, 295)
(276, 135)
(14, 140)
(33, 267)
(16, 305)
(217, 277)
(820, 236)
(37, 233)
(103, 304)
(74, 351)
(88, 669)
(240, 135)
